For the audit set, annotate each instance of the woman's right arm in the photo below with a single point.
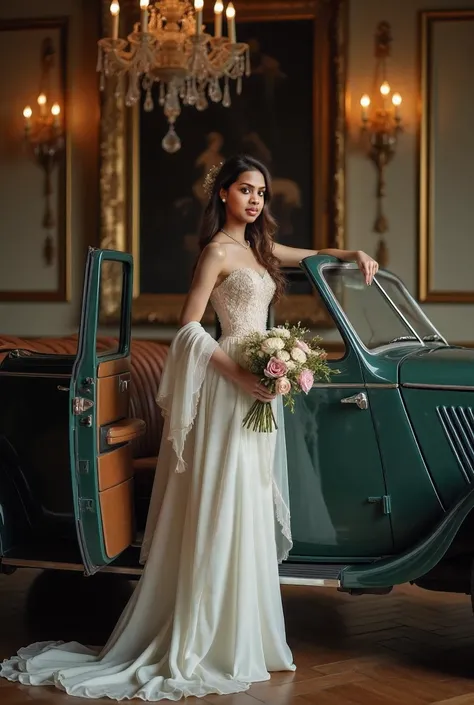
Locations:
(208, 269)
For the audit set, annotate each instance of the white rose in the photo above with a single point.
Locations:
(283, 355)
(281, 332)
(270, 345)
(298, 355)
(291, 365)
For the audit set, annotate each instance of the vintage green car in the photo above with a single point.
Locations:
(381, 459)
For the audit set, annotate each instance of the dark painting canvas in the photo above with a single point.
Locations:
(271, 120)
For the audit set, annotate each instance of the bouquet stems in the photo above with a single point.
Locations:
(260, 417)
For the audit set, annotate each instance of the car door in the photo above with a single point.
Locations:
(101, 430)
(339, 503)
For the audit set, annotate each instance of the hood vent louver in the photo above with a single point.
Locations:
(458, 425)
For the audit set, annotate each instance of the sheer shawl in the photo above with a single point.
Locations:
(178, 396)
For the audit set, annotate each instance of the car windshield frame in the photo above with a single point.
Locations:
(378, 281)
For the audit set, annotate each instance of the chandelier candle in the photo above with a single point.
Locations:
(144, 15)
(230, 14)
(218, 10)
(198, 6)
(115, 12)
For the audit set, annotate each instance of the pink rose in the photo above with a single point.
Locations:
(305, 380)
(282, 385)
(275, 368)
(303, 346)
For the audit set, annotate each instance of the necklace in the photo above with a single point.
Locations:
(247, 243)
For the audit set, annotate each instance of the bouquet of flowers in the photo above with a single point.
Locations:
(288, 364)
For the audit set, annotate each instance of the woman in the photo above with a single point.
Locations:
(206, 616)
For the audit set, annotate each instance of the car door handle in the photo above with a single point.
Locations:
(359, 399)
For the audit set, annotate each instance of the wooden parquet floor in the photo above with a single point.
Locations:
(411, 647)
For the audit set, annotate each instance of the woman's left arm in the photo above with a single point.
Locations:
(292, 256)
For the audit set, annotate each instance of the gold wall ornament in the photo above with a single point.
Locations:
(381, 126)
(45, 139)
(171, 47)
(120, 157)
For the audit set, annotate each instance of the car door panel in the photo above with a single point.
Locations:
(101, 430)
(337, 482)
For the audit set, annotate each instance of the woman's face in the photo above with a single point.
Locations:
(245, 198)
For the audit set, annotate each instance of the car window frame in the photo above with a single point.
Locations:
(382, 348)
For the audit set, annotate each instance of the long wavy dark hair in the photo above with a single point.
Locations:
(260, 233)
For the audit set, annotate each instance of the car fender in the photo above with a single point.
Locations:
(416, 561)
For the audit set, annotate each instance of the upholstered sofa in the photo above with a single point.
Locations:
(147, 362)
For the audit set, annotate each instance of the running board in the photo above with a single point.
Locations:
(75, 567)
(317, 575)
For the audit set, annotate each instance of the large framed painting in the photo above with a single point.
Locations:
(290, 114)
(35, 228)
(446, 206)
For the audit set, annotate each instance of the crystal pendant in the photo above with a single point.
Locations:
(133, 93)
(201, 103)
(162, 94)
(215, 92)
(148, 104)
(171, 142)
(226, 99)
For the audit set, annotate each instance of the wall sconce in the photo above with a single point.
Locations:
(45, 139)
(382, 123)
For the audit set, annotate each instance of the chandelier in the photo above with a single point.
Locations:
(171, 47)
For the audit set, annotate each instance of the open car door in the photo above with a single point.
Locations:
(101, 431)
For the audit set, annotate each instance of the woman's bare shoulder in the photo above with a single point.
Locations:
(214, 252)
(212, 259)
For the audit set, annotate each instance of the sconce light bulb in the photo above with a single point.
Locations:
(397, 99)
(198, 4)
(27, 112)
(365, 101)
(55, 109)
(144, 4)
(115, 8)
(41, 99)
(219, 7)
(230, 11)
(385, 88)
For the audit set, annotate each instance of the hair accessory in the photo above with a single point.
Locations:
(209, 179)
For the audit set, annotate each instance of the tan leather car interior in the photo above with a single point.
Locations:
(115, 464)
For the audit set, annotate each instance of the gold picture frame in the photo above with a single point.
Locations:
(62, 195)
(120, 168)
(429, 168)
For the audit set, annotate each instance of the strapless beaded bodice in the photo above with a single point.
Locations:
(241, 302)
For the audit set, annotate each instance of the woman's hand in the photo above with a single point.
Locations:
(252, 385)
(368, 266)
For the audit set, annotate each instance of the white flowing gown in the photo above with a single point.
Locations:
(206, 616)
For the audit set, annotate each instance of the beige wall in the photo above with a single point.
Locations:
(456, 321)
(83, 115)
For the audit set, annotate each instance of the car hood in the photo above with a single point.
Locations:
(441, 366)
